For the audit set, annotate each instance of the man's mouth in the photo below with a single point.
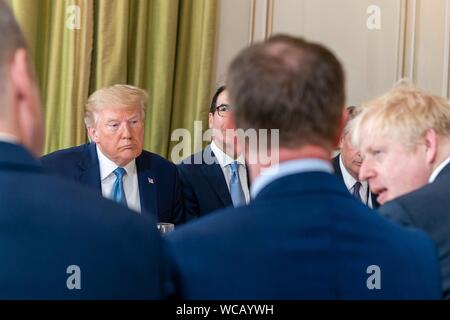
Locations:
(128, 146)
(381, 194)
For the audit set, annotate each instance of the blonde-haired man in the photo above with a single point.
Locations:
(115, 163)
(404, 137)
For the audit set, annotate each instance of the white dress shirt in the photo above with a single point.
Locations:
(438, 170)
(130, 180)
(6, 137)
(287, 168)
(349, 181)
(224, 161)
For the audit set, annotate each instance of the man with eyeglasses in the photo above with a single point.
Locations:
(115, 163)
(216, 177)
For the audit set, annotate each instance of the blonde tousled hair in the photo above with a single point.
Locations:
(115, 96)
(404, 113)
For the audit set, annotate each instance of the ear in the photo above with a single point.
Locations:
(210, 120)
(431, 141)
(341, 142)
(22, 81)
(342, 121)
(92, 132)
(26, 102)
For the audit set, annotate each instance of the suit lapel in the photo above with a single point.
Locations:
(337, 167)
(375, 203)
(147, 185)
(89, 167)
(214, 175)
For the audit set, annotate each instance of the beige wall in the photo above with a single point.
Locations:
(413, 41)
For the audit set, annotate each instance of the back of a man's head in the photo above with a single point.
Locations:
(11, 39)
(20, 113)
(289, 84)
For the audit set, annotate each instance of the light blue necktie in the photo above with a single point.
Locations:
(118, 194)
(236, 192)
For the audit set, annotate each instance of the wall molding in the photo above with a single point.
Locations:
(401, 40)
(269, 18)
(412, 50)
(251, 27)
(446, 61)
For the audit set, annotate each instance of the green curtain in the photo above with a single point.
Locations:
(163, 46)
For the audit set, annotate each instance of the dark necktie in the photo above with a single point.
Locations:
(356, 188)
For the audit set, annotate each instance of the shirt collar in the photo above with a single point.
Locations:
(224, 159)
(438, 170)
(348, 178)
(107, 166)
(288, 168)
(6, 137)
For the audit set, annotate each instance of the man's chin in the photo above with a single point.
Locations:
(128, 155)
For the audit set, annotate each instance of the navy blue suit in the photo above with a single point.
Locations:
(428, 209)
(303, 237)
(159, 188)
(338, 172)
(203, 184)
(49, 223)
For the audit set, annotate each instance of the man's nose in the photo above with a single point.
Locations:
(366, 171)
(126, 131)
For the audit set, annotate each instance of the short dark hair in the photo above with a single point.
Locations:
(290, 84)
(213, 106)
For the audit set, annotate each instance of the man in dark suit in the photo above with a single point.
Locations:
(57, 239)
(406, 161)
(303, 236)
(347, 164)
(115, 164)
(207, 177)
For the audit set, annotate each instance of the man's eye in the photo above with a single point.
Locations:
(113, 125)
(376, 152)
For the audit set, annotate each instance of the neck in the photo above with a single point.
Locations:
(229, 150)
(9, 132)
(284, 155)
(442, 154)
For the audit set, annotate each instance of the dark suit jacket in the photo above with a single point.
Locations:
(203, 184)
(303, 237)
(49, 223)
(159, 188)
(338, 172)
(428, 208)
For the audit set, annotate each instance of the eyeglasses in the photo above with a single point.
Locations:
(223, 110)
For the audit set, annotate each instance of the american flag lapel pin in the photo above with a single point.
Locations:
(151, 181)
